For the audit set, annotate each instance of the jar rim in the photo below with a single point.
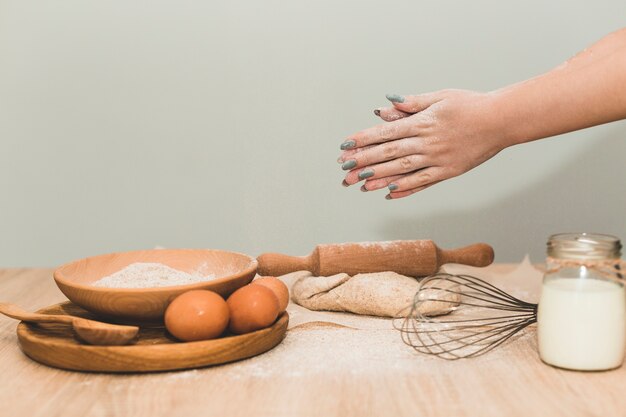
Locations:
(584, 246)
(601, 237)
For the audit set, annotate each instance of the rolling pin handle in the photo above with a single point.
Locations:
(478, 254)
(276, 264)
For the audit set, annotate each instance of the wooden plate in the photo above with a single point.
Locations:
(155, 350)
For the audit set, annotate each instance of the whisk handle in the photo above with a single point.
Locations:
(478, 254)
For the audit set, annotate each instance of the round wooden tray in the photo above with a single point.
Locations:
(154, 350)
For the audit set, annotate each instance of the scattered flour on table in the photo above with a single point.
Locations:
(330, 351)
(341, 352)
(336, 352)
(150, 274)
(188, 374)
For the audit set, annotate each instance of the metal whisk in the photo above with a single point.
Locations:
(470, 317)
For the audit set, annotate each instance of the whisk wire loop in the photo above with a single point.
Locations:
(473, 318)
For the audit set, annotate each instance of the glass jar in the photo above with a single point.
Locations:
(582, 309)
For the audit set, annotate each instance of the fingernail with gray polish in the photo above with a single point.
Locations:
(387, 197)
(377, 112)
(364, 189)
(349, 144)
(344, 183)
(366, 174)
(392, 187)
(395, 98)
(349, 164)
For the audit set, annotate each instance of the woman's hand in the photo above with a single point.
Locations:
(432, 137)
(427, 139)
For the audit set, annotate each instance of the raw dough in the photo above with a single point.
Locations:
(385, 294)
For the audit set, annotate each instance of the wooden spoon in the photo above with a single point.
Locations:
(92, 332)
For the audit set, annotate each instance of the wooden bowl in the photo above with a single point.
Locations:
(143, 305)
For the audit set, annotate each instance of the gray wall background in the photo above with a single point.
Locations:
(130, 124)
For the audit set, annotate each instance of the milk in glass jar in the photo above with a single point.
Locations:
(582, 309)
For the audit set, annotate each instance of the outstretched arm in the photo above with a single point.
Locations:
(587, 90)
(432, 137)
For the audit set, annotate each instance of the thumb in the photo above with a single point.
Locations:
(413, 104)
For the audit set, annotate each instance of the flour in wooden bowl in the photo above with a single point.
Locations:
(150, 275)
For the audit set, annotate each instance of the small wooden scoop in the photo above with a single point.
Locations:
(415, 258)
(92, 332)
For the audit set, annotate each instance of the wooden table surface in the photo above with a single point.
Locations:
(510, 382)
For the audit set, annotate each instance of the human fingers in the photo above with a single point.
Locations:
(418, 179)
(390, 114)
(397, 166)
(380, 153)
(385, 132)
(345, 155)
(379, 183)
(401, 194)
(416, 103)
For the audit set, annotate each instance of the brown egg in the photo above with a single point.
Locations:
(252, 307)
(280, 290)
(197, 315)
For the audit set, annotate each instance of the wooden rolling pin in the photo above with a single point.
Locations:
(416, 258)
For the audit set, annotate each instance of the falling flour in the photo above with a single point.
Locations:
(148, 275)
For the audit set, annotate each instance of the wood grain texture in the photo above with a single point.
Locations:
(512, 382)
(91, 331)
(416, 258)
(153, 350)
(139, 305)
